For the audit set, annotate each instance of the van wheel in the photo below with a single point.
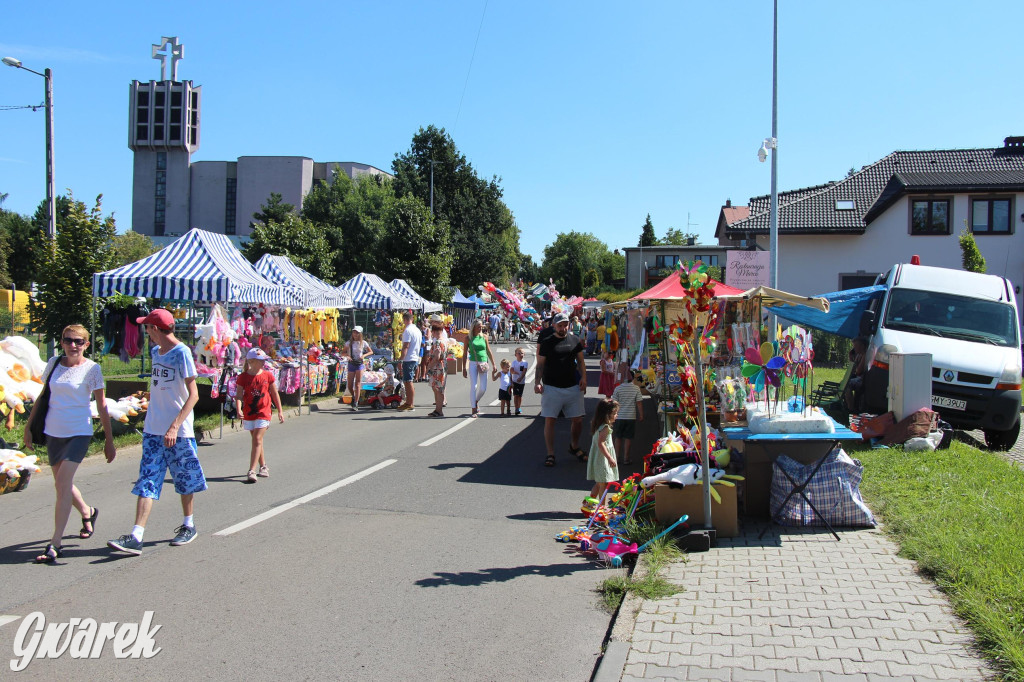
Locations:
(1002, 440)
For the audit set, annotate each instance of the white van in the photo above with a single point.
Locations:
(969, 324)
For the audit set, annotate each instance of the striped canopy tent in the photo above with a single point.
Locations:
(370, 292)
(402, 287)
(198, 266)
(317, 293)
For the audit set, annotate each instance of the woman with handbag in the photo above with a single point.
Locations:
(477, 354)
(62, 411)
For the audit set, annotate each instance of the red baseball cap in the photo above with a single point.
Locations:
(160, 318)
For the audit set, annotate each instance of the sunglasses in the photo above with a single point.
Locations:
(74, 342)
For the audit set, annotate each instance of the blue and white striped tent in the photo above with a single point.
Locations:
(402, 287)
(318, 293)
(198, 266)
(370, 292)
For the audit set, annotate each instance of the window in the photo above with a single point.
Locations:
(707, 260)
(844, 204)
(161, 183)
(856, 280)
(929, 216)
(161, 160)
(143, 98)
(231, 191)
(665, 261)
(991, 216)
(141, 131)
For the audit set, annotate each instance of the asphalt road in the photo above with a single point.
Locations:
(439, 564)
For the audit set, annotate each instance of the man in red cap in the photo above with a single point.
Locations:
(168, 440)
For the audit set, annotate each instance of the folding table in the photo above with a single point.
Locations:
(775, 445)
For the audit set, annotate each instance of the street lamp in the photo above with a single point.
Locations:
(51, 206)
(772, 143)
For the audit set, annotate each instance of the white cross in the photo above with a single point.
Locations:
(176, 51)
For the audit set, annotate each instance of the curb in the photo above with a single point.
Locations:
(620, 635)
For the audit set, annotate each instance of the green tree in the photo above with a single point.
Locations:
(484, 235)
(300, 240)
(568, 259)
(613, 266)
(529, 271)
(274, 211)
(674, 237)
(415, 247)
(647, 236)
(82, 248)
(130, 247)
(970, 254)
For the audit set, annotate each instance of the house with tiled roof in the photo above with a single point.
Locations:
(843, 233)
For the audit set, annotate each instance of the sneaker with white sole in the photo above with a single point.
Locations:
(127, 544)
(264, 472)
(185, 535)
(250, 477)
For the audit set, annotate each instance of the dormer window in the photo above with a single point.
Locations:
(844, 204)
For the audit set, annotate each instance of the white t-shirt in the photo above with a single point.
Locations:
(414, 337)
(518, 371)
(504, 381)
(70, 392)
(169, 391)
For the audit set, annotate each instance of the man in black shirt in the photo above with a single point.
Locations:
(561, 381)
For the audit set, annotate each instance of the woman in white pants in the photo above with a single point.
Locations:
(477, 354)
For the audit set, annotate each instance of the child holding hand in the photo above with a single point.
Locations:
(505, 388)
(601, 465)
(255, 393)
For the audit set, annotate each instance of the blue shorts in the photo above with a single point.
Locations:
(182, 460)
(409, 370)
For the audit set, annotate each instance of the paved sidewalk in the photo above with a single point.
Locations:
(798, 605)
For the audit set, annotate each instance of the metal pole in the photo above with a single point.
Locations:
(773, 229)
(51, 201)
(703, 425)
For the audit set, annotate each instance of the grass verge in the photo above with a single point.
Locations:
(959, 514)
(651, 584)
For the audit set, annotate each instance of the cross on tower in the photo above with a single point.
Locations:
(176, 51)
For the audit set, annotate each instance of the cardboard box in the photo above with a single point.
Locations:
(451, 365)
(671, 503)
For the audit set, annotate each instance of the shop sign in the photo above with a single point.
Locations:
(747, 269)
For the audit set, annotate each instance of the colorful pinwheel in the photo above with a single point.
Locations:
(761, 367)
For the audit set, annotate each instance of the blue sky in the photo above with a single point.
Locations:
(593, 114)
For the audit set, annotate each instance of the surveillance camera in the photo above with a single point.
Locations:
(762, 155)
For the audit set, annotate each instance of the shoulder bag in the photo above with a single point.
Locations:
(38, 422)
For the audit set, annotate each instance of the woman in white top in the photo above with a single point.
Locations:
(73, 380)
(356, 349)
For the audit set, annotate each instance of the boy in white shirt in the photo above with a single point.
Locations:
(504, 386)
(518, 374)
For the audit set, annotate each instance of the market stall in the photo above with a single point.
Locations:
(378, 309)
(422, 304)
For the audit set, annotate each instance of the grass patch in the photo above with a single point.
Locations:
(959, 514)
(652, 584)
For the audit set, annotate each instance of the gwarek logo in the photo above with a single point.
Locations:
(82, 638)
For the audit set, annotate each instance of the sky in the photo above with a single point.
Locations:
(593, 115)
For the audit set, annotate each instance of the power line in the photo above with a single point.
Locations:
(12, 107)
(470, 69)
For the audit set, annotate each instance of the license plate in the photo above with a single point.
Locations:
(949, 403)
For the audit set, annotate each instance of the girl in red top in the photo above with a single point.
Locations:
(256, 389)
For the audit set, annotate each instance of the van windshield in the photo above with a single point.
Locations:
(952, 316)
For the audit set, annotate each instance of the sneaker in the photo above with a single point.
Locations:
(127, 544)
(185, 535)
(518, 412)
(355, 408)
(403, 408)
(264, 472)
(250, 477)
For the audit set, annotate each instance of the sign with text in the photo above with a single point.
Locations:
(746, 269)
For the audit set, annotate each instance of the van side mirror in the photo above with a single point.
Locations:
(867, 323)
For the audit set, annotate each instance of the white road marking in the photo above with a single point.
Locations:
(461, 425)
(270, 513)
(4, 620)
(502, 350)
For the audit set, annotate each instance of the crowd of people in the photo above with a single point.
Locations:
(169, 444)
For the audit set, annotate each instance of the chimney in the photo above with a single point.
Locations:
(691, 241)
(1014, 142)
(728, 203)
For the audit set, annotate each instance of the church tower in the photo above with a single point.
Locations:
(163, 131)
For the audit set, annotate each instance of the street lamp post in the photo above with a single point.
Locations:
(51, 200)
(770, 144)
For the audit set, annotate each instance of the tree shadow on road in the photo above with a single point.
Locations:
(500, 575)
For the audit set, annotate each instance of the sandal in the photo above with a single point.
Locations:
(578, 454)
(549, 461)
(50, 555)
(433, 414)
(86, 533)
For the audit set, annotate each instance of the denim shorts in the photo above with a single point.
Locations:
(409, 370)
(182, 460)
